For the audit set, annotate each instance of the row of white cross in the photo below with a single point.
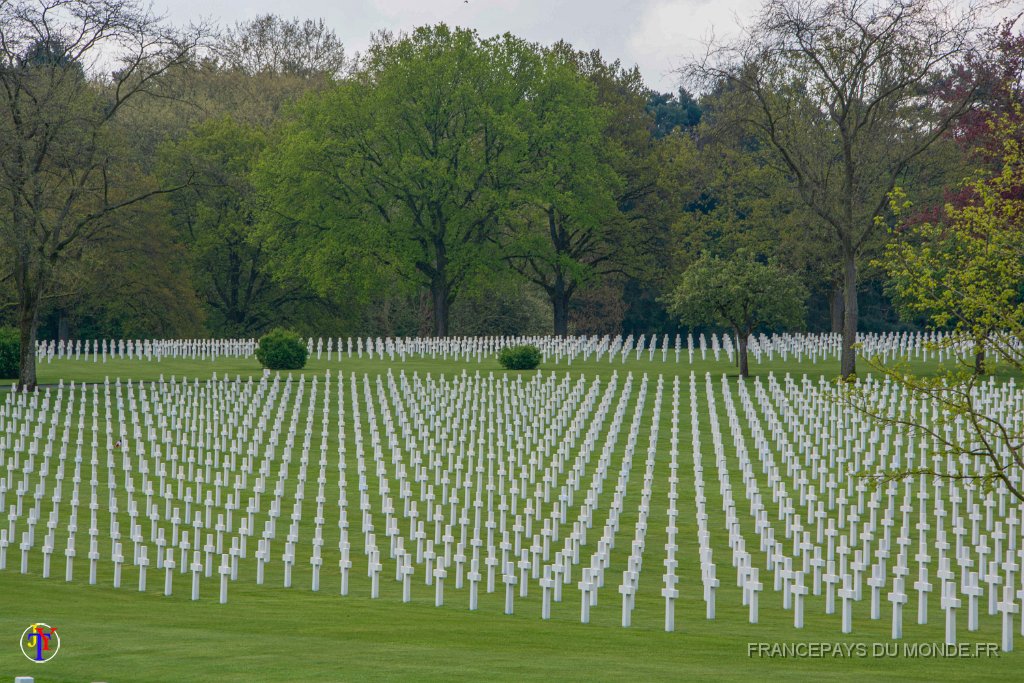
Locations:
(858, 445)
(812, 347)
(102, 350)
(494, 478)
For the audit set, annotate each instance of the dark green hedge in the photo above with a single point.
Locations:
(525, 357)
(281, 350)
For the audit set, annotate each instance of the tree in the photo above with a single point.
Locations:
(632, 149)
(741, 293)
(981, 132)
(215, 215)
(673, 112)
(403, 170)
(740, 200)
(62, 175)
(506, 306)
(965, 272)
(133, 280)
(846, 92)
(675, 161)
(227, 102)
(272, 44)
(744, 202)
(566, 230)
(981, 138)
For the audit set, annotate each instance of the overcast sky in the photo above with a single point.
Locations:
(656, 35)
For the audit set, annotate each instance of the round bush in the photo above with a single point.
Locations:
(525, 357)
(281, 350)
(10, 352)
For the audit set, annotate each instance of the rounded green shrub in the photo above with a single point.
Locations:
(281, 350)
(10, 352)
(524, 357)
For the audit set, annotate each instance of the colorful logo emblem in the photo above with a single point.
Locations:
(40, 643)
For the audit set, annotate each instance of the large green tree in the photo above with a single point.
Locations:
(132, 280)
(743, 201)
(631, 280)
(845, 93)
(566, 230)
(213, 131)
(64, 168)
(403, 171)
(215, 215)
(741, 293)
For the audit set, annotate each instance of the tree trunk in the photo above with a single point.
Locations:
(439, 294)
(979, 360)
(28, 319)
(425, 320)
(440, 288)
(560, 303)
(63, 325)
(848, 360)
(741, 341)
(836, 308)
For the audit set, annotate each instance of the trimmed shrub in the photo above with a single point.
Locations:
(281, 350)
(10, 352)
(525, 357)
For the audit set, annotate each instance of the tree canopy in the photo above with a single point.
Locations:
(741, 293)
(845, 94)
(159, 181)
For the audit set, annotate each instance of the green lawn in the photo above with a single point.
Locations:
(268, 633)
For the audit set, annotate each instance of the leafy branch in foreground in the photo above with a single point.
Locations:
(965, 272)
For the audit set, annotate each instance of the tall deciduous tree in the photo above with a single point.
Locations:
(272, 44)
(133, 280)
(633, 152)
(982, 131)
(741, 293)
(566, 230)
(403, 171)
(744, 202)
(215, 215)
(61, 174)
(233, 97)
(845, 92)
(673, 112)
(981, 137)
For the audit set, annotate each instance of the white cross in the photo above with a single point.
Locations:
(753, 587)
(798, 591)
(1008, 607)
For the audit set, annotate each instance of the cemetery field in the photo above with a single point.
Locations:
(375, 479)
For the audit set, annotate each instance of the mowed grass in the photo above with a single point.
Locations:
(268, 633)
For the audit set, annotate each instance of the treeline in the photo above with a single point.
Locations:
(226, 182)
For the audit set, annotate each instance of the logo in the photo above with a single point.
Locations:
(40, 643)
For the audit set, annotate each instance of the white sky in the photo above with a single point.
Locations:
(656, 35)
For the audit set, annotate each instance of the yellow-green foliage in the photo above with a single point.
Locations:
(965, 271)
